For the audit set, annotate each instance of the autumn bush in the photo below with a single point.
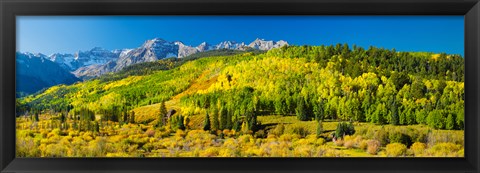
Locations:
(444, 150)
(373, 146)
(325, 151)
(26, 146)
(363, 145)
(278, 130)
(348, 142)
(339, 142)
(150, 132)
(418, 148)
(398, 137)
(299, 130)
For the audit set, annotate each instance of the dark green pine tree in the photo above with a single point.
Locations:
(162, 114)
(229, 124)
(35, 116)
(206, 123)
(132, 117)
(180, 124)
(62, 117)
(215, 122)
(96, 127)
(301, 110)
(223, 118)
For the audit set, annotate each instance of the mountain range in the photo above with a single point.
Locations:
(35, 72)
(69, 68)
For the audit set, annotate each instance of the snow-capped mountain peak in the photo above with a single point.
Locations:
(87, 63)
(230, 45)
(262, 44)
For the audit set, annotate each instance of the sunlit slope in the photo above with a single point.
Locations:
(150, 112)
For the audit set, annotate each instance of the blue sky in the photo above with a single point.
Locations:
(68, 34)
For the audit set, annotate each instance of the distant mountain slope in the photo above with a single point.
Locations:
(98, 61)
(95, 56)
(147, 68)
(35, 72)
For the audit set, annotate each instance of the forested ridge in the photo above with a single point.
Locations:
(335, 82)
(311, 82)
(293, 101)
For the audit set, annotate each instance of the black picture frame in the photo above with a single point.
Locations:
(11, 8)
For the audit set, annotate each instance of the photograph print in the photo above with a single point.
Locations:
(239, 86)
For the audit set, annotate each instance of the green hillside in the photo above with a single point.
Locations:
(333, 82)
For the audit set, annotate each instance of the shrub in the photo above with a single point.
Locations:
(396, 149)
(461, 153)
(343, 129)
(339, 142)
(209, 152)
(348, 142)
(55, 150)
(303, 151)
(382, 136)
(26, 147)
(444, 150)
(278, 130)
(435, 137)
(150, 133)
(300, 130)
(357, 140)
(227, 152)
(398, 137)
(245, 139)
(373, 146)
(329, 152)
(260, 134)
(180, 133)
(363, 145)
(418, 148)
(320, 141)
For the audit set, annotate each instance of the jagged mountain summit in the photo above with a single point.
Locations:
(43, 71)
(95, 56)
(98, 61)
(262, 44)
(157, 48)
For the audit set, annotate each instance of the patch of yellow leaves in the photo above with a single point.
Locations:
(123, 82)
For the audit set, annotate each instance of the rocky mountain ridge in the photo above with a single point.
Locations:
(98, 61)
